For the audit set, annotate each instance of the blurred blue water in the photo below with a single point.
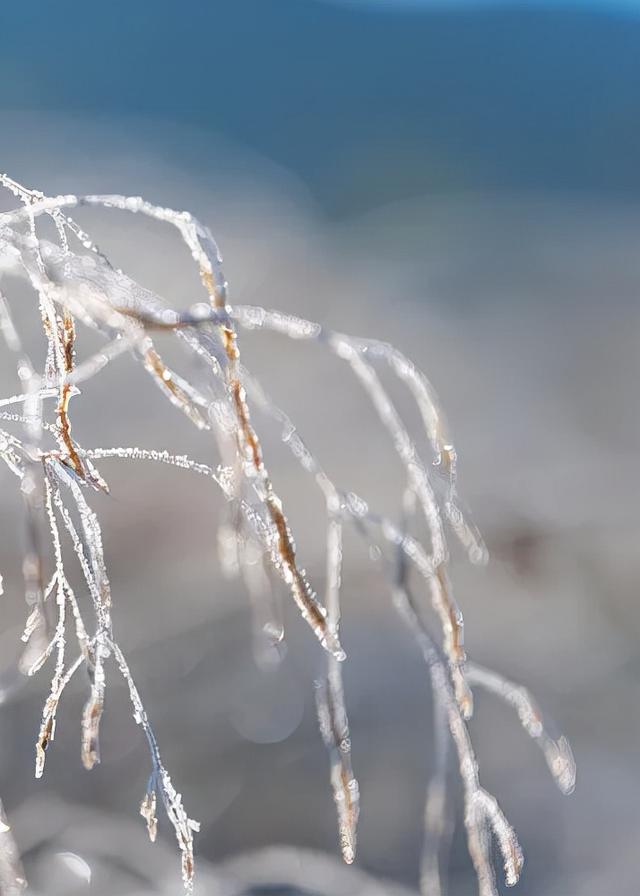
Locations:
(363, 102)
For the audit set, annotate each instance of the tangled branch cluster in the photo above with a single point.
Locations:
(76, 284)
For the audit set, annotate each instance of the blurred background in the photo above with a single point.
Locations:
(462, 180)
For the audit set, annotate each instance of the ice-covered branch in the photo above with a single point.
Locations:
(74, 285)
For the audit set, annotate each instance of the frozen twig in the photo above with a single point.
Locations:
(76, 286)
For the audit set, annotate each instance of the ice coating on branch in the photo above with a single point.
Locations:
(75, 286)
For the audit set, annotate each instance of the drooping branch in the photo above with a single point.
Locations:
(75, 284)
